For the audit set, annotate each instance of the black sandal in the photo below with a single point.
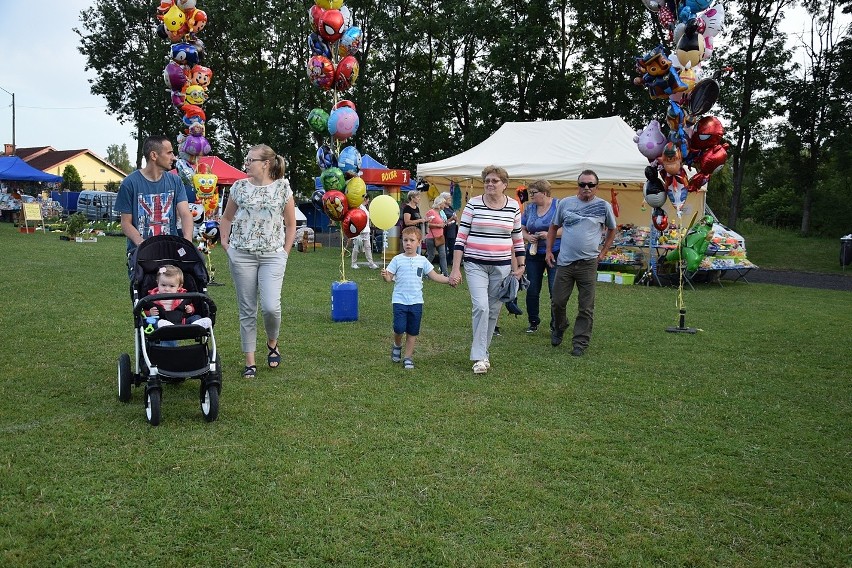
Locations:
(250, 371)
(273, 357)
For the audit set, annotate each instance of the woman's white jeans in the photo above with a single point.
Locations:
(257, 274)
(483, 281)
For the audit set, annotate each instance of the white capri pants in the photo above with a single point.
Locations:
(257, 274)
(483, 281)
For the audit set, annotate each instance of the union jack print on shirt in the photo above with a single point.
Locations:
(154, 214)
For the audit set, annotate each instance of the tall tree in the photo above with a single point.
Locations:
(124, 50)
(117, 156)
(817, 103)
(71, 179)
(753, 94)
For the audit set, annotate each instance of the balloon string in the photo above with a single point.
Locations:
(342, 256)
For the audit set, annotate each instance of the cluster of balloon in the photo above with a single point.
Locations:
(332, 66)
(187, 79)
(693, 141)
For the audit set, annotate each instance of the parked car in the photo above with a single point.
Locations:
(97, 205)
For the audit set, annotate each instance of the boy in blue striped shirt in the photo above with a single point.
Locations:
(407, 270)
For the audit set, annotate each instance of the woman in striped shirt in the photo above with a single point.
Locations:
(490, 245)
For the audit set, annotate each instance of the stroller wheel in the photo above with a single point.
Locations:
(124, 377)
(152, 406)
(209, 401)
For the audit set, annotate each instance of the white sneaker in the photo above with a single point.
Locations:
(163, 323)
(206, 323)
(480, 367)
(354, 267)
(374, 266)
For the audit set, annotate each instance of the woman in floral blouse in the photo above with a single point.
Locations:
(257, 229)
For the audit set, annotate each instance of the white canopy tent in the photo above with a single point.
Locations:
(558, 150)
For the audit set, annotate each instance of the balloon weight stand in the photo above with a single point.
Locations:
(681, 327)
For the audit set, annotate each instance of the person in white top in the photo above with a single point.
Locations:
(362, 241)
(257, 230)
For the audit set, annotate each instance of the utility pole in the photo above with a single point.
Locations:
(14, 147)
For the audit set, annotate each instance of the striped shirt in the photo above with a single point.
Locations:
(487, 236)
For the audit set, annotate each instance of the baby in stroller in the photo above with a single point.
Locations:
(174, 325)
(176, 311)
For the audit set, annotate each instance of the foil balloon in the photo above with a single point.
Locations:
(354, 222)
(185, 171)
(331, 26)
(707, 133)
(210, 232)
(316, 198)
(204, 184)
(654, 192)
(346, 73)
(321, 72)
(334, 204)
(184, 54)
(197, 21)
(349, 160)
(332, 179)
(690, 46)
(315, 14)
(356, 189)
(350, 42)
(326, 157)
(659, 219)
(174, 76)
(713, 20)
(650, 140)
(174, 19)
(195, 95)
(318, 46)
(201, 76)
(329, 4)
(318, 121)
(701, 98)
(343, 123)
(694, 245)
(211, 204)
(344, 103)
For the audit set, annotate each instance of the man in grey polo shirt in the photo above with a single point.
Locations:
(583, 219)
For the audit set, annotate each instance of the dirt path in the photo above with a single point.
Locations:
(801, 279)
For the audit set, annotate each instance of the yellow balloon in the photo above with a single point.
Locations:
(174, 19)
(330, 4)
(356, 189)
(384, 212)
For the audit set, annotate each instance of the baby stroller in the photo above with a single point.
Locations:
(174, 353)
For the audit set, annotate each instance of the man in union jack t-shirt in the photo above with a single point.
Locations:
(151, 200)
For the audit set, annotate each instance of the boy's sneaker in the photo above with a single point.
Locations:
(354, 267)
(532, 328)
(496, 331)
(408, 363)
(374, 266)
(396, 353)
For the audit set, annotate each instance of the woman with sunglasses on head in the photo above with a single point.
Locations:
(535, 222)
(257, 230)
(490, 245)
(582, 218)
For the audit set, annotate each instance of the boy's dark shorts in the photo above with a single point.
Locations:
(406, 319)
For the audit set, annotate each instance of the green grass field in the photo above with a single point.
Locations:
(725, 448)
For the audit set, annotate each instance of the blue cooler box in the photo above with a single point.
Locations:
(344, 301)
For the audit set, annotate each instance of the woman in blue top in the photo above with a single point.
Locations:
(538, 214)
